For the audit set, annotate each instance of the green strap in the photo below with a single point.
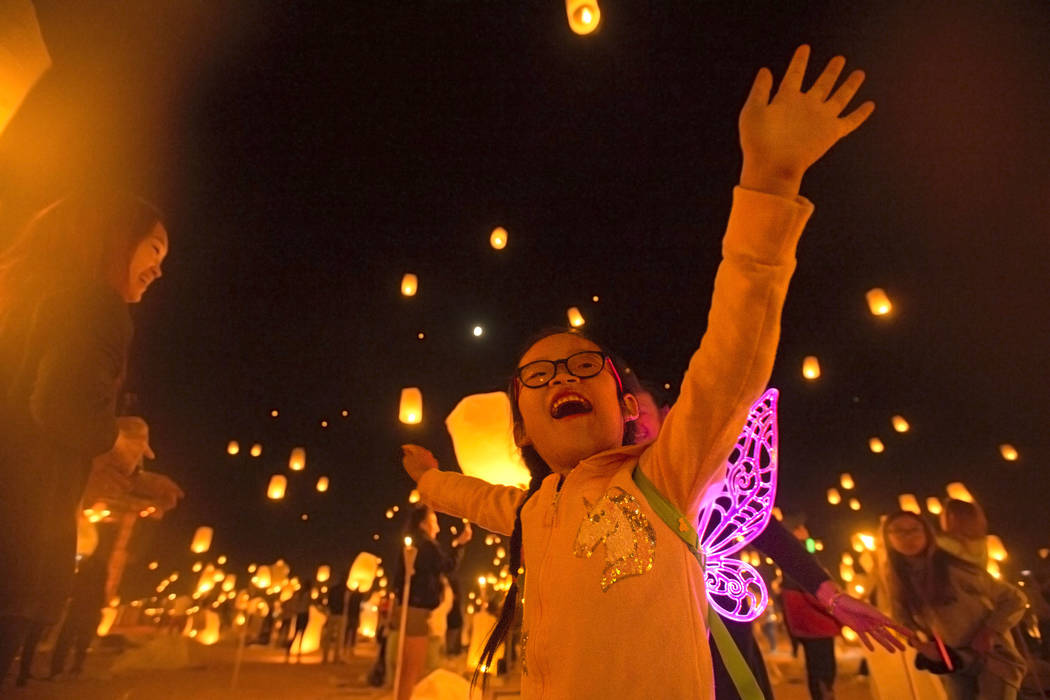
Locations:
(743, 678)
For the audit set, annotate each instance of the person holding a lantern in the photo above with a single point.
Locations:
(65, 285)
(631, 621)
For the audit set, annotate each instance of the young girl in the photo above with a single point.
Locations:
(962, 605)
(615, 602)
(965, 531)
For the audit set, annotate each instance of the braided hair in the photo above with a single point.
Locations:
(538, 471)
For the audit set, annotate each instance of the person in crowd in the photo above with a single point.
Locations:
(425, 590)
(593, 626)
(964, 531)
(82, 616)
(962, 614)
(65, 285)
(297, 611)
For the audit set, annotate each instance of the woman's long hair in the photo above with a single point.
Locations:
(538, 471)
(931, 588)
(80, 238)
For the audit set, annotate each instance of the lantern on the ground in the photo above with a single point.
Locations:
(811, 367)
(201, 540)
(297, 460)
(878, 302)
(908, 501)
(411, 409)
(575, 317)
(875, 445)
(362, 572)
(933, 505)
(584, 15)
(959, 492)
(322, 484)
(409, 285)
(834, 497)
(899, 424)
(278, 484)
(1008, 452)
(233, 447)
(498, 239)
(996, 550)
(482, 433)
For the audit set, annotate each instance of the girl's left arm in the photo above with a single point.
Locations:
(1008, 604)
(780, 139)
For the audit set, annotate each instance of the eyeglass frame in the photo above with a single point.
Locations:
(606, 359)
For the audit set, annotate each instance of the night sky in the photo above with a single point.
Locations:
(307, 158)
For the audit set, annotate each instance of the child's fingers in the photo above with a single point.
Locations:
(759, 95)
(864, 640)
(826, 81)
(796, 70)
(847, 90)
(855, 118)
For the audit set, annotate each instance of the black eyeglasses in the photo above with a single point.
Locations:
(584, 364)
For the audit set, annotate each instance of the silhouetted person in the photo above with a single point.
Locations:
(85, 611)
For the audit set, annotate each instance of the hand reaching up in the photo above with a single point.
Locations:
(781, 138)
(417, 460)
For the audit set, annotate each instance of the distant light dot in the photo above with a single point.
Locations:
(595, 298)
(667, 385)
(274, 413)
(421, 335)
(375, 537)
(324, 424)
(304, 516)
(498, 239)
(478, 330)
(345, 413)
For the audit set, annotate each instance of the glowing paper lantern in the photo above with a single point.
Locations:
(413, 497)
(878, 302)
(262, 577)
(109, 616)
(256, 450)
(498, 239)
(153, 566)
(233, 448)
(584, 15)
(411, 410)
(856, 543)
(845, 572)
(24, 58)
(958, 491)
(875, 445)
(847, 559)
(409, 285)
(993, 569)
(478, 331)
(229, 583)
(324, 572)
(834, 497)
(846, 481)
(482, 435)
(201, 540)
(899, 424)
(575, 317)
(362, 572)
(868, 541)
(811, 367)
(854, 504)
(322, 484)
(297, 460)
(908, 501)
(1008, 452)
(996, 550)
(278, 484)
(933, 504)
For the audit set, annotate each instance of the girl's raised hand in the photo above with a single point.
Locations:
(782, 137)
(417, 460)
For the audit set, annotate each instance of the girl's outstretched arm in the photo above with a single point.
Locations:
(780, 139)
(491, 506)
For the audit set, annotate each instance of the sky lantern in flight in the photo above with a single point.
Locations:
(811, 367)
(297, 460)
(846, 481)
(908, 501)
(481, 427)
(575, 317)
(498, 239)
(834, 497)
(411, 410)
(854, 504)
(409, 285)
(233, 448)
(959, 492)
(278, 484)
(1008, 452)
(256, 450)
(322, 484)
(584, 15)
(933, 505)
(875, 445)
(324, 572)
(878, 302)
(201, 540)
(899, 424)
(413, 497)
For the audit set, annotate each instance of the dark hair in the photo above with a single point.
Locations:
(661, 396)
(416, 516)
(968, 519)
(934, 585)
(82, 237)
(538, 471)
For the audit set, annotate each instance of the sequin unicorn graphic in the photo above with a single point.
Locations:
(616, 520)
(737, 511)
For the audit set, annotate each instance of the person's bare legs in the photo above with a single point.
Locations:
(412, 665)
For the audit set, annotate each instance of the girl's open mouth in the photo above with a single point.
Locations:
(569, 404)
